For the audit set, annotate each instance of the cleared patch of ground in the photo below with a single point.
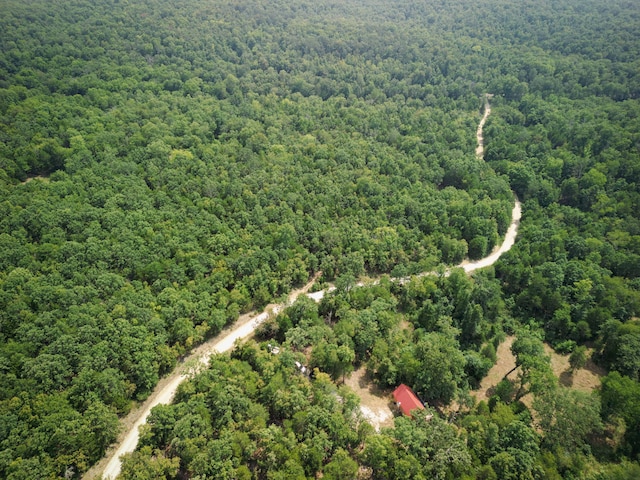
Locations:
(585, 379)
(38, 177)
(506, 361)
(374, 403)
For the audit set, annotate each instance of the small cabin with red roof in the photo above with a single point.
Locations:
(406, 400)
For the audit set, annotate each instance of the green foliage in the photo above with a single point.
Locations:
(621, 347)
(148, 465)
(568, 418)
(578, 358)
(440, 368)
(198, 160)
(232, 415)
(565, 143)
(476, 367)
(198, 168)
(336, 360)
(503, 442)
(341, 467)
(620, 397)
(434, 444)
(624, 471)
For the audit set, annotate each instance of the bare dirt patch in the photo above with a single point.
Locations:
(36, 177)
(374, 402)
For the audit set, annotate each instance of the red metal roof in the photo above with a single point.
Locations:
(406, 399)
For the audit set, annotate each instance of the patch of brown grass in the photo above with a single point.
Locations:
(584, 379)
(506, 361)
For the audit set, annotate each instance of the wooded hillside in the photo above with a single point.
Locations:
(167, 166)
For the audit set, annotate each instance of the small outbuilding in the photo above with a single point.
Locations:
(406, 400)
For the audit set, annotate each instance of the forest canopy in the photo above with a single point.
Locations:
(167, 166)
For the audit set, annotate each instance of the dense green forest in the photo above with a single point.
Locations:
(166, 166)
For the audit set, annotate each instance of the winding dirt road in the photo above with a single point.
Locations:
(243, 328)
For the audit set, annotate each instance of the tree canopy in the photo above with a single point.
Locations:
(167, 166)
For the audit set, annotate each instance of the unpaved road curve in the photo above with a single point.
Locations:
(165, 390)
(509, 240)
